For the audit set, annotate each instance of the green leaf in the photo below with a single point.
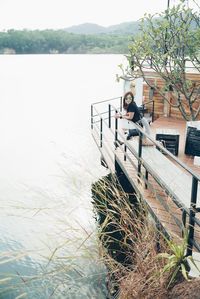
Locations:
(184, 272)
(173, 277)
(163, 255)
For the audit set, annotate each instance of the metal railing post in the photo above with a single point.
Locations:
(153, 111)
(184, 214)
(146, 179)
(116, 127)
(120, 104)
(101, 132)
(139, 152)
(109, 116)
(125, 150)
(192, 215)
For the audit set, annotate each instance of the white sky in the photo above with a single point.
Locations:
(54, 14)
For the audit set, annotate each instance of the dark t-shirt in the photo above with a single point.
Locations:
(132, 107)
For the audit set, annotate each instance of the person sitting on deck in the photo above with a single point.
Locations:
(133, 115)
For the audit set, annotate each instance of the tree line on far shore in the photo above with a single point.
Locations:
(59, 41)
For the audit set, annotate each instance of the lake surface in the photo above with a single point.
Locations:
(48, 161)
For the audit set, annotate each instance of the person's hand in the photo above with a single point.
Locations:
(117, 115)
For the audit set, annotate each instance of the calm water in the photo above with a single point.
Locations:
(48, 160)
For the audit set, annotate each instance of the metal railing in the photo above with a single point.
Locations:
(104, 122)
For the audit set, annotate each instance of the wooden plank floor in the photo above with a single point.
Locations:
(158, 202)
(179, 125)
(176, 179)
(168, 214)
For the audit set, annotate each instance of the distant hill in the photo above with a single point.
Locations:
(90, 28)
(124, 28)
(86, 28)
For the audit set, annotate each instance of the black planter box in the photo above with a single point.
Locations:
(192, 143)
(169, 139)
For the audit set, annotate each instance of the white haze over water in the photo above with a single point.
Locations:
(48, 158)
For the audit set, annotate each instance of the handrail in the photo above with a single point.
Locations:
(179, 162)
(108, 100)
(186, 212)
(132, 150)
(165, 151)
(102, 113)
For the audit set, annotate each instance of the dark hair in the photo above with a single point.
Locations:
(125, 105)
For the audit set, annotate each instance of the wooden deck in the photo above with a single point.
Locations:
(179, 125)
(168, 183)
(160, 205)
(168, 177)
(171, 177)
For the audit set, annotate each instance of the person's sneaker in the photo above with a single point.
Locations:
(128, 137)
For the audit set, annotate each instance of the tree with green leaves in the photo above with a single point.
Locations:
(167, 44)
(60, 41)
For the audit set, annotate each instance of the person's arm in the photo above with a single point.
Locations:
(128, 115)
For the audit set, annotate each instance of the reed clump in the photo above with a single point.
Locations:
(135, 251)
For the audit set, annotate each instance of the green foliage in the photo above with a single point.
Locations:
(167, 44)
(177, 261)
(127, 231)
(60, 41)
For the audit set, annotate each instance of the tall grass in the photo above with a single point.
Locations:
(65, 264)
(129, 245)
(132, 246)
